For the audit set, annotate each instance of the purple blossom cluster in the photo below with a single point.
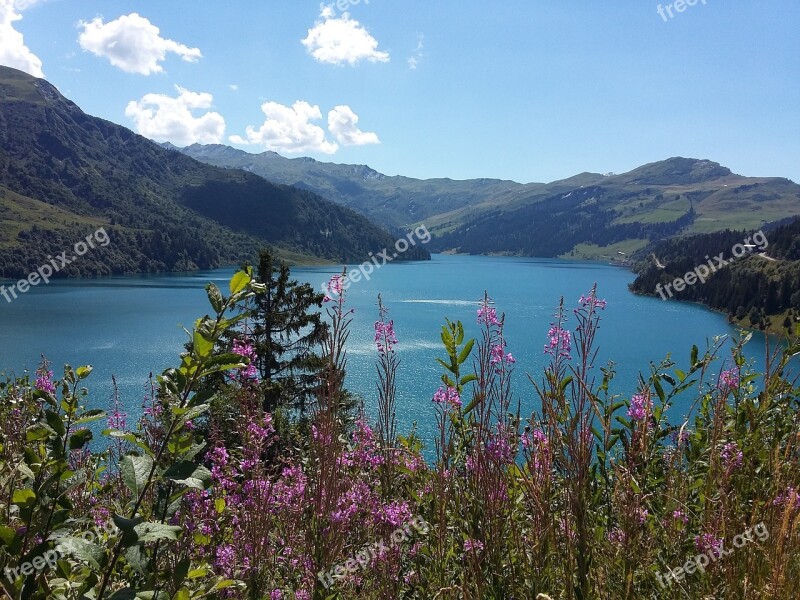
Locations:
(245, 348)
(559, 342)
(732, 456)
(729, 380)
(44, 380)
(448, 396)
(385, 338)
(640, 408)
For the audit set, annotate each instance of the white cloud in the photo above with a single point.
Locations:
(234, 87)
(164, 118)
(416, 58)
(341, 40)
(343, 124)
(13, 51)
(132, 43)
(288, 129)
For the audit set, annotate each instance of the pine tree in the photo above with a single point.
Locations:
(287, 331)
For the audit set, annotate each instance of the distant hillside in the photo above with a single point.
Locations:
(586, 216)
(64, 173)
(392, 201)
(761, 289)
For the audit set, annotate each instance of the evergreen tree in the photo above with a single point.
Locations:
(287, 333)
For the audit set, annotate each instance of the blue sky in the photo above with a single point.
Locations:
(526, 90)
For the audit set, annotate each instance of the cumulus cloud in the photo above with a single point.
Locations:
(166, 119)
(341, 40)
(13, 51)
(343, 124)
(289, 129)
(132, 43)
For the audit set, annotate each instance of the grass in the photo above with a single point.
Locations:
(21, 213)
(611, 252)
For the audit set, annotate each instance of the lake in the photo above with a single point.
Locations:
(131, 326)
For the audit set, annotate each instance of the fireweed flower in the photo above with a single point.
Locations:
(471, 545)
(789, 498)
(592, 301)
(448, 396)
(728, 380)
(487, 315)
(245, 348)
(708, 542)
(559, 342)
(640, 407)
(44, 380)
(334, 288)
(679, 515)
(616, 536)
(731, 456)
(385, 338)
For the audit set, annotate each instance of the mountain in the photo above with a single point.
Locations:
(395, 202)
(588, 215)
(65, 174)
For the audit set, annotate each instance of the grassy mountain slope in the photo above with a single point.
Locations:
(586, 216)
(64, 173)
(393, 201)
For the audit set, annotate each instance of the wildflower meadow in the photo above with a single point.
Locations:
(594, 495)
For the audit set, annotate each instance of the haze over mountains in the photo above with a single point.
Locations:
(64, 173)
(588, 215)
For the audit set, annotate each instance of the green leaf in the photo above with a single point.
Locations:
(124, 594)
(189, 474)
(202, 346)
(84, 372)
(7, 535)
(79, 439)
(90, 416)
(135, 472)
(465, 352)
(153, 532)
(215, 297)
(694, 355)
(239, 281)
(23, 497)
(81, 549)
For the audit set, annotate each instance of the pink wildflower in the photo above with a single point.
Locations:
(728, 380)
(559, 343)
(447, 396)
(640, 407)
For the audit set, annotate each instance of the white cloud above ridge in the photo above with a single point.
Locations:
(132, 43)
(13, 51)
(343, 124)
(342, 40)
(289, 129)
(167, 119)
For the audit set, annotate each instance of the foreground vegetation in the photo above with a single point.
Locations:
(594, 496)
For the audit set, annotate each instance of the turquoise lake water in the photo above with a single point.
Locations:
(131, 326)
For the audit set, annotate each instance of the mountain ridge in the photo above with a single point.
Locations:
(163, 210)
(626, 212)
